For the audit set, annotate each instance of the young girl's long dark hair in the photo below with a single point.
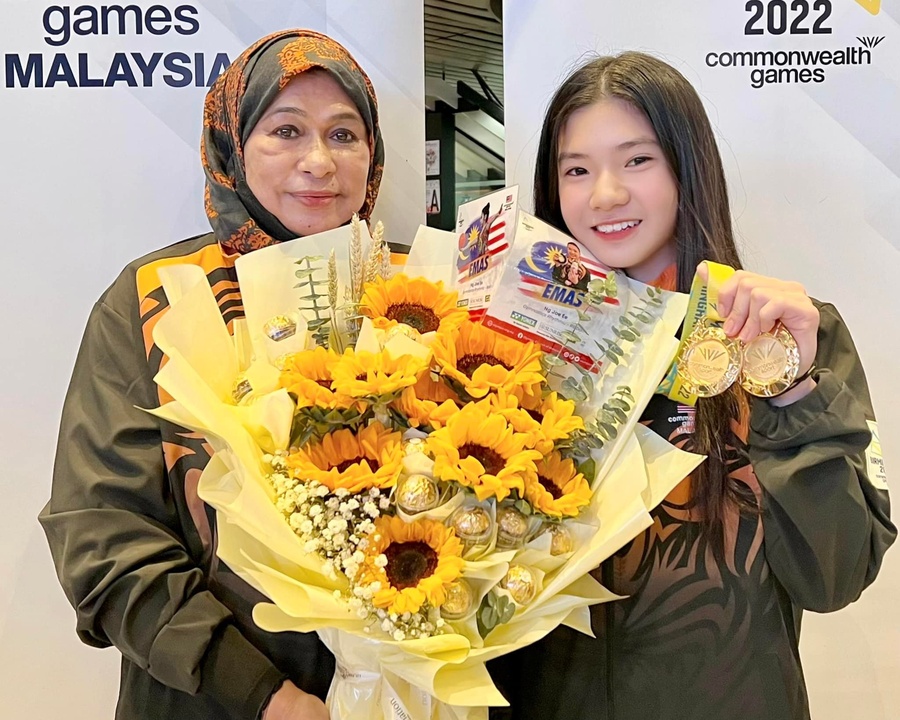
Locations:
(703, 229)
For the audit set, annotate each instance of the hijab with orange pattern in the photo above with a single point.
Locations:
(240, 98)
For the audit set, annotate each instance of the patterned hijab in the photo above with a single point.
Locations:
(236, 102)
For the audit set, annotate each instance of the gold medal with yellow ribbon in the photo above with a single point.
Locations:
(708, 362)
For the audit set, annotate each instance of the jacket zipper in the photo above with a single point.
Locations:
(607, 573)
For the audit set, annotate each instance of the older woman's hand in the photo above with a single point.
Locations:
(290, 703)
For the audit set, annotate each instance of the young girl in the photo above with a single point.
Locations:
(782, 516)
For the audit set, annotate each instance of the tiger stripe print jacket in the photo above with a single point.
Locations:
(701, 639)
(133, 545)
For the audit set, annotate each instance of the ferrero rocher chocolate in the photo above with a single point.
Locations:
(405, 330)
(561, 541)
(472, 524)
(512, 528)
(458, 601)
(521, 583)
(710, 360)
(280, 327)
(417, 493)
(240, 389)
(771, 361)
(414, 446)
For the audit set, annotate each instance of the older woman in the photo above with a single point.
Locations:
(291, 147)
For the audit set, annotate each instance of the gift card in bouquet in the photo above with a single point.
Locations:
(553, 292)
(485, 231)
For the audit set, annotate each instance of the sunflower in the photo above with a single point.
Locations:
(558, 490)
(428, 402)
(423, 558)
(364, 375)
(482, 361)
(373, 457)
(555, 416)
(416, 302)
(479, 449)
(307, 376)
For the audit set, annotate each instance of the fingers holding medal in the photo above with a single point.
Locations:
(757, 329)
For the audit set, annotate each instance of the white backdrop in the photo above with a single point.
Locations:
(814, 175)
(92, 178)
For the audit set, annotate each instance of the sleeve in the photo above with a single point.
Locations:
(827, 525)
(114, 532)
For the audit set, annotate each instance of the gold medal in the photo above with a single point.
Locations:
(771, 361)
(710, 361)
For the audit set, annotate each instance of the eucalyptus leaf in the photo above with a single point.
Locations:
(553, 360)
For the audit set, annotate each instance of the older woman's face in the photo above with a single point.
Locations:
(307, 159)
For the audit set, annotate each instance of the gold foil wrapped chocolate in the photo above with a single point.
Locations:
(512, 528)
(414, 446)
(710, 360)
(280, 327)
(561, 542)
(771, 362)
(472, 524)
(240, 389)
(521, 583)
(417, 493)
(404, 330)
(458, 601)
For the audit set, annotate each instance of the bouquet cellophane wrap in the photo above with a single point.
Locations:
(442, 676)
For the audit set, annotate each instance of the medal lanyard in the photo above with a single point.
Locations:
(703, 304)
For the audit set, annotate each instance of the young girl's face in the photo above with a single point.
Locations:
(617, 193)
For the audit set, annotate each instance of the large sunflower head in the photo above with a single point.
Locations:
(428, 402)
(307, 376)
(558, 489)
(373, 457)
(413, 562)
(478, 448)
(482, 361)
(376, 375)
(416, 302)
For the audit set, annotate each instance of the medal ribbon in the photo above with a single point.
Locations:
(703, 303)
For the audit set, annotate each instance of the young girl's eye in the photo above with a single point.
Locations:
(639, 160)
(575, 171)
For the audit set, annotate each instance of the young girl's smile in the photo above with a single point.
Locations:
(617, 193)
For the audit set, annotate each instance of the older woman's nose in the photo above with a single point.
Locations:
(318, 160)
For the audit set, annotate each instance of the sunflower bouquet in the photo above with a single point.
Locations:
(410, 484)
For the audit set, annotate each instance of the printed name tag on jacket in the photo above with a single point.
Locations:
(875, 460)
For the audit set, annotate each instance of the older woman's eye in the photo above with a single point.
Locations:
(344, 136)
(287, 132)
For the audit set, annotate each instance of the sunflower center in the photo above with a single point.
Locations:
(492, 461)
(409, 562)
(468, 364)
(416, 316)
(550, 486)
(324, 383)
(373, 464)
